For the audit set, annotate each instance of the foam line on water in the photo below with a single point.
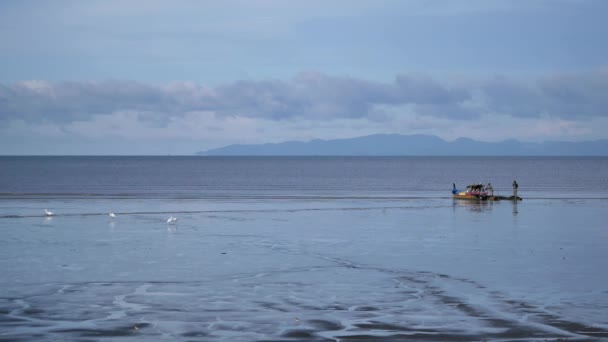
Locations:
(118, 214)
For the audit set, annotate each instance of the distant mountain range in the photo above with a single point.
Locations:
(413, 145)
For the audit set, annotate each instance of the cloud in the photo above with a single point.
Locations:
(576, 96)
(72, 101)
(309, 96)
(499, 95)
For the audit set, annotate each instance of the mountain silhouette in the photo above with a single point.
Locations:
(413, 145)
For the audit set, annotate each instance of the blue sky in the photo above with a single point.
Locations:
(158, 77)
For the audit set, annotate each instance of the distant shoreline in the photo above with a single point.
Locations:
(288, 156)
(414, 145)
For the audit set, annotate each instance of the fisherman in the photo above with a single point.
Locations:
(515, 186)
(454, 191)
(490, 189)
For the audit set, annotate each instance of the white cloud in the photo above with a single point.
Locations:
(312, 96)
(309, 106)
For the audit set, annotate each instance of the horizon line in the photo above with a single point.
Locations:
(311, 155)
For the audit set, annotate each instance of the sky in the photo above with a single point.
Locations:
(155, 77)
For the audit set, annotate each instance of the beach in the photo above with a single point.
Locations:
(347, 270)
(304, 171)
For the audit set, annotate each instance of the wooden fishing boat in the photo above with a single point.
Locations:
(480, 192)
(476, 192)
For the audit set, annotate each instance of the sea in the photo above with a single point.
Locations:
(302, 249)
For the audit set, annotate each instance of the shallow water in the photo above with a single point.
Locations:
(234, 178)
(312, 270)
(301, 249)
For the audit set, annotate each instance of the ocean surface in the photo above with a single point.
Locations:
(302, 249)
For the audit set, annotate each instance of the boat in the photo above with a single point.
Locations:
(473, 192)
(480, 192)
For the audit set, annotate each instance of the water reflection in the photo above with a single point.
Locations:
(477, 206)
(483, 206)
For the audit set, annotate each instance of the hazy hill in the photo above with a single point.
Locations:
(413, 145)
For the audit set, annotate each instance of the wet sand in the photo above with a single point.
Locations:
(408, 306)
(344, 271)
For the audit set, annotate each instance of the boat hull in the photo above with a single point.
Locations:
(470, 197)
(484, 198)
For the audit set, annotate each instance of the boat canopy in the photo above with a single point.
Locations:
(476, 187)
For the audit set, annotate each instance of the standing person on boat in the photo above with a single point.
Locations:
(515, 186)
(490, 190)
(454, 191)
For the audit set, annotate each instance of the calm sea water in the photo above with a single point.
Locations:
(251, 177)
(302, 249)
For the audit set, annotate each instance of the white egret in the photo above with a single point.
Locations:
(48, 213)
(172, 219)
